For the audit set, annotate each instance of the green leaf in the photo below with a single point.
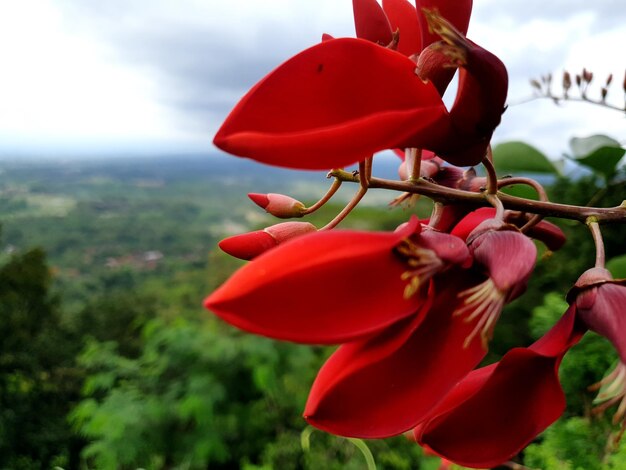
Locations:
(516, 157)
(599, 153)
(521, 190)
(617, 266)
(584, 146)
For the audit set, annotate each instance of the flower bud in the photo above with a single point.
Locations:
(279, 205)
(250, 245)
(567, 82)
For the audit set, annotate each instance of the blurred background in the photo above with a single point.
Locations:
(113, 199)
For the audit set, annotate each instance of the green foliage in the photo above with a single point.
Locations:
(37, 380)
(519, 157)
(599, 153)
(155, 382)
(617, 266)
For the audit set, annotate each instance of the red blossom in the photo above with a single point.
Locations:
(339, 102)
(249, 245)
(497, 410)
(332, 105)
(333, 286)
(385, 385)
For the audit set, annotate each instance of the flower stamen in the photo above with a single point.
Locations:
(422, 262)
(612, 390)
(483, 302)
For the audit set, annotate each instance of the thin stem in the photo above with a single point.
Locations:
(330, 193)
(596, 233)
(497, 203)
(541, 192)
(492, 178)
(365, 171)
(413, 159)
(449, 195)
(558, 99)
(346, 210)
(435, 215)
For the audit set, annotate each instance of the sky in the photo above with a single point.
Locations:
(92, 77)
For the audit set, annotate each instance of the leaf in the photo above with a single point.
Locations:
(516, 157)
(599, 153)
(584, 146)
(617, 266)
(521, 190)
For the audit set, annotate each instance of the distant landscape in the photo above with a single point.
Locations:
(109, 360)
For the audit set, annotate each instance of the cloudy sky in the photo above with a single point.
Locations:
(92, 77)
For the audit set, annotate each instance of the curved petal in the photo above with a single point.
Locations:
(403, 18)
(323, 287)
(370, 22)
(606, 315)
(457, 12)
(472, 220)
(508, 256)
(497, 410)
(519, 399)
(385, 385)
(332, 105)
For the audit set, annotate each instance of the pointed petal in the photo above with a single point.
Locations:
(497, 410)
(472, 220)
(249, 245)
(325, 287)
(607, 314)
(457, 12)
(450, 249)
(518, 399)
(403, 17)
(385, 385)
(332, 105)
(370, 22)
(508, 256)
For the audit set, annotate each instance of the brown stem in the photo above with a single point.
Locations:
(330, 193)
(541, 192)
(413, 158)
(492, 178)
(559, 99)
(435, 215)
(449, 195)
(596, 233)
(346, 210)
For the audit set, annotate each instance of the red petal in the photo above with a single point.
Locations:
(508, 256)
(607, 315)
(325, 287)
(456, 12)
(332, 105)
(451, 249)
(248, 245)
(385, 385)
(471, 221)
(497, 410)
(261, 200)
(403, 17)
(370, 22)
(518, 399)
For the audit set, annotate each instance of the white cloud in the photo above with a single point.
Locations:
(154, 71)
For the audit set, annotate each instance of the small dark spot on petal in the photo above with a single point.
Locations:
(320, 67)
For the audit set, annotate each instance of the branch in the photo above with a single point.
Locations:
(449, 195)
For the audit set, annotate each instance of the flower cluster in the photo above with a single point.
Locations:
(413, 311)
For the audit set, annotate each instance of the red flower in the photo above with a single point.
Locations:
(507, 257)
(250, 245)
(497, 410)
(384, 385)
(340, 101)
(600, 301)
(335, 286)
